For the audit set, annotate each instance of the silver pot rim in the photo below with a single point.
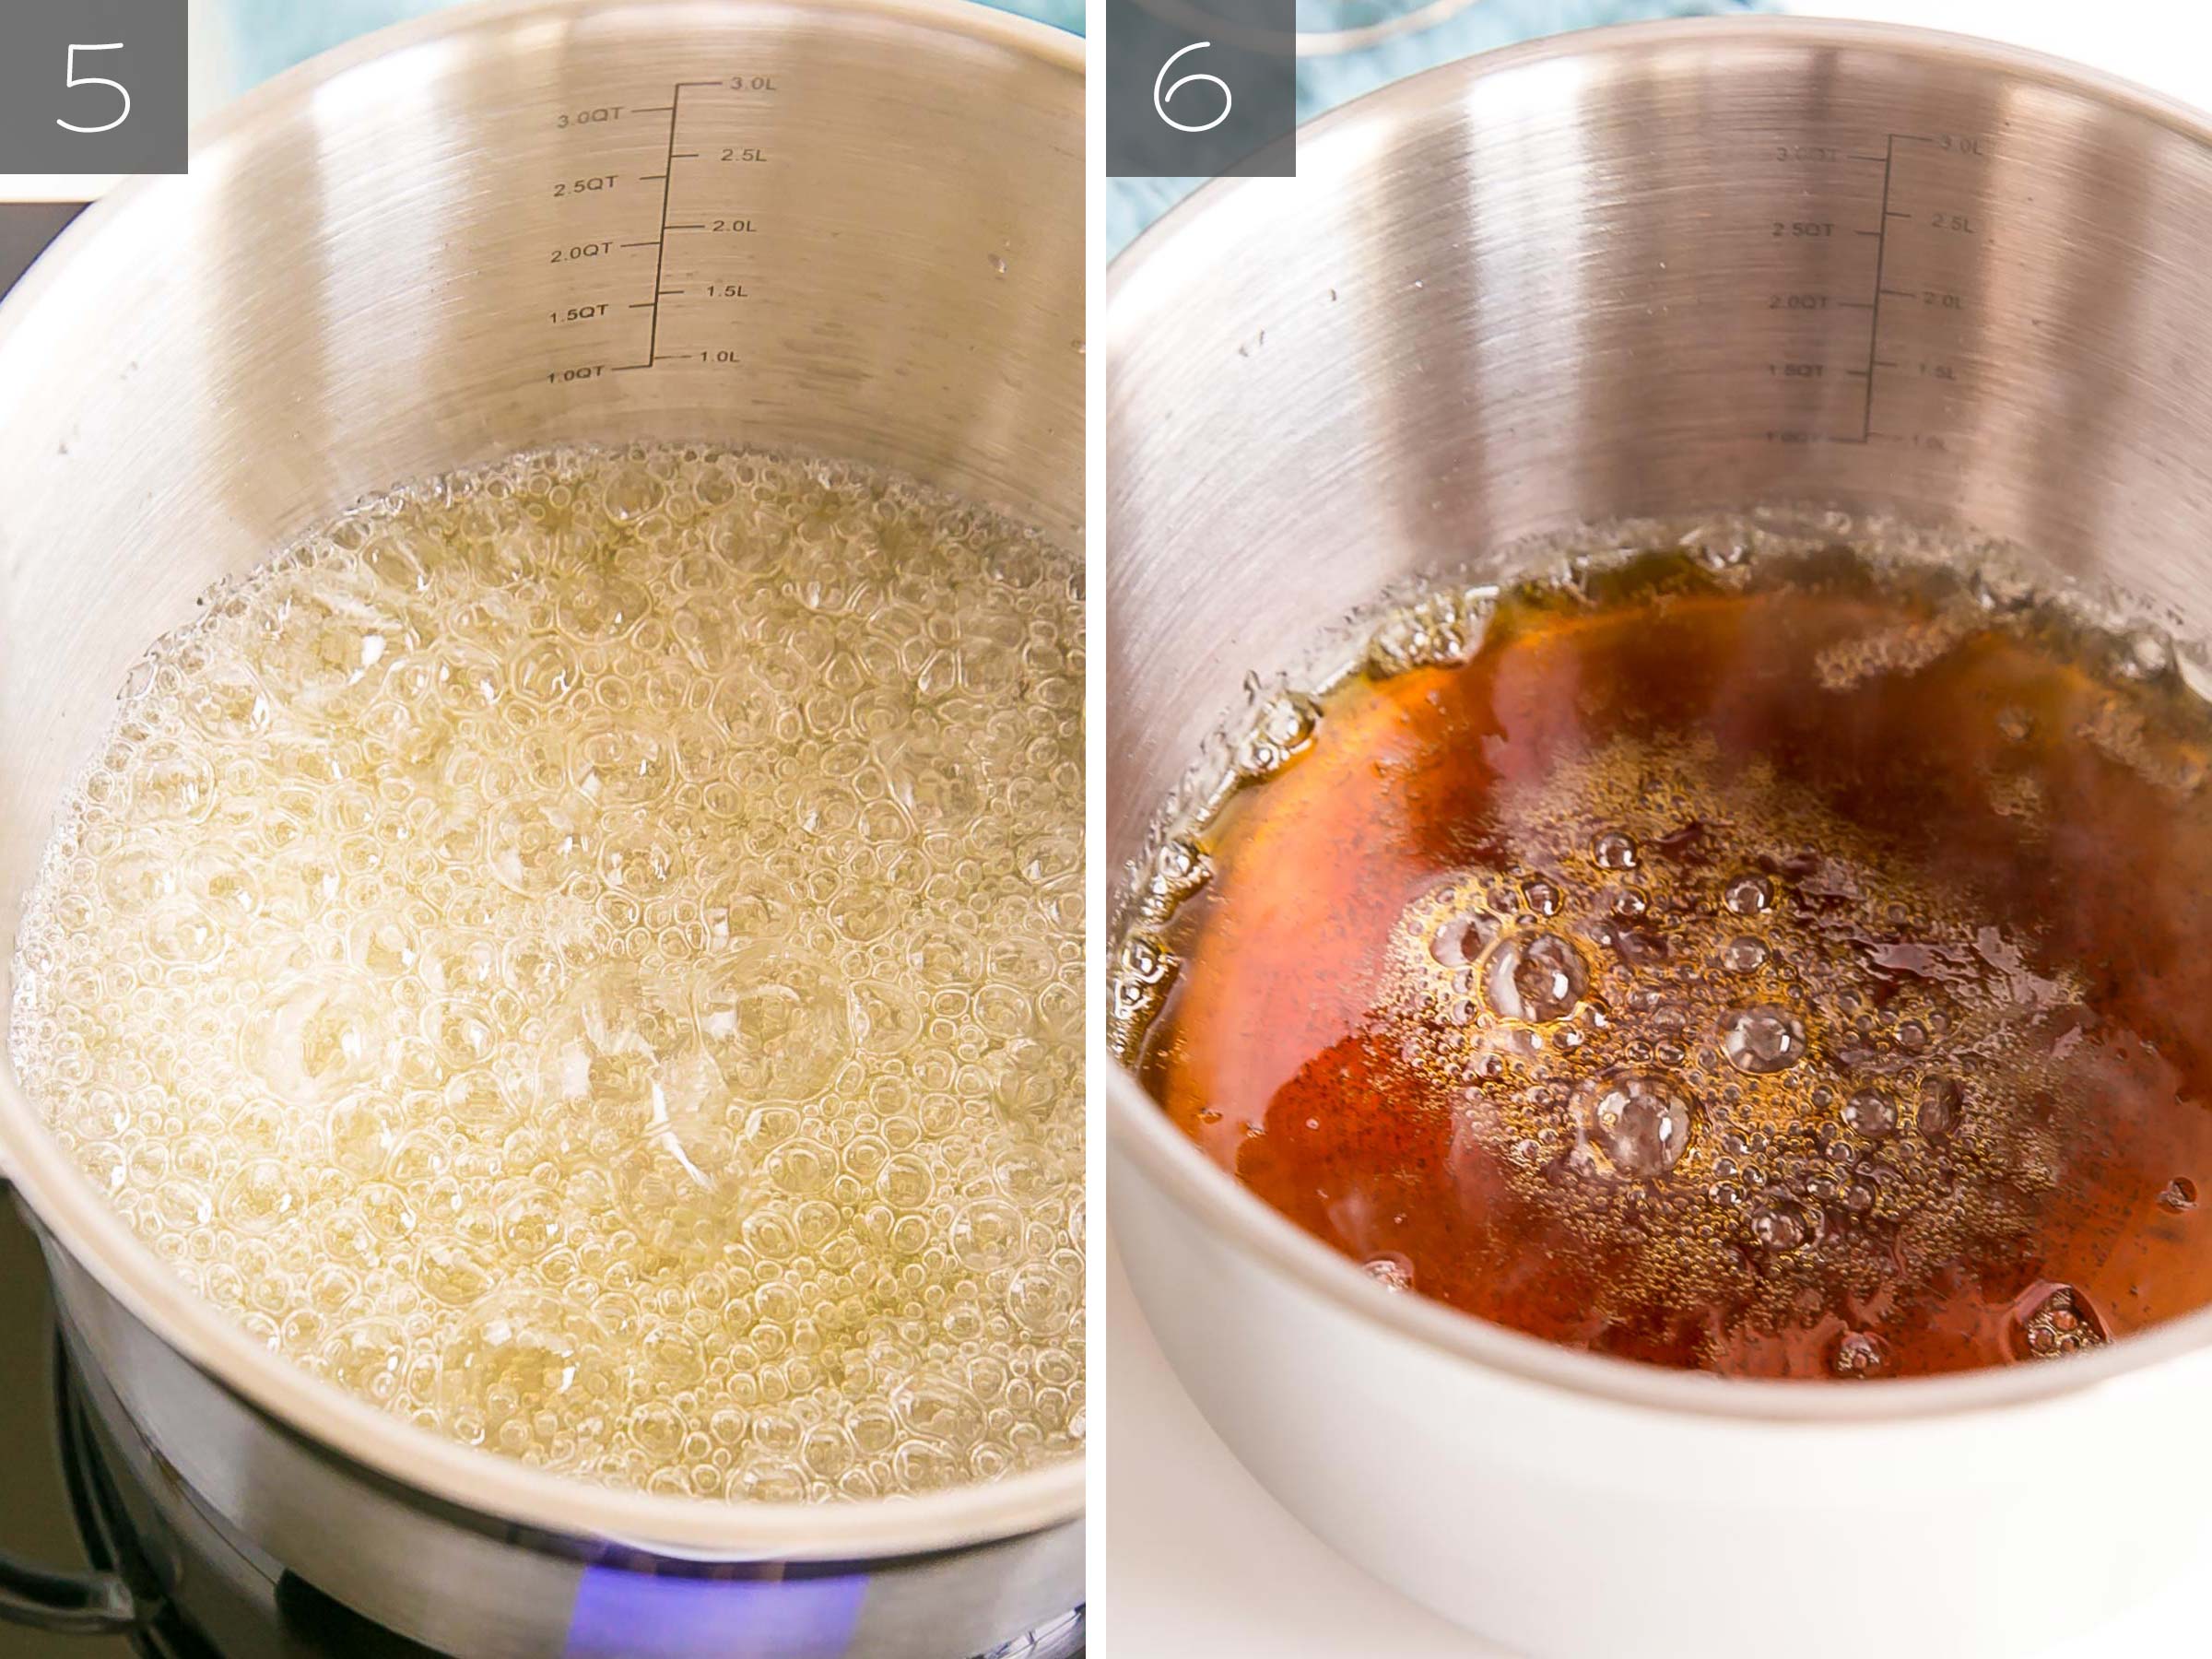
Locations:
(1201, 230)
(81, 1221)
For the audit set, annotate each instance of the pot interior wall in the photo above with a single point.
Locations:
(1639, 274)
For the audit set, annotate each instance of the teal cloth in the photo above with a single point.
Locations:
(1325, 82)
(264, 36)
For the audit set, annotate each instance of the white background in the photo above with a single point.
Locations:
(1201, 1563)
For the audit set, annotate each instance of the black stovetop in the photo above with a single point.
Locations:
(36, 1524)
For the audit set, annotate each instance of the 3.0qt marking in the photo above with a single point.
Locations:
(673, 218)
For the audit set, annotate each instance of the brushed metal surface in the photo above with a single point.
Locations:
(1667, 271)
(357, 284)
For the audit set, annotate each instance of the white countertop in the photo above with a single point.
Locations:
(1201, 1563)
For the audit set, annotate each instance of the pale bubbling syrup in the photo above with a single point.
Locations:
(587, 955)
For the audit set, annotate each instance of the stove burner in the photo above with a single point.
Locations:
(305, 1624)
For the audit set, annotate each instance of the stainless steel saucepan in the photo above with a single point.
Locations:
(1665, 270)
(852, 228)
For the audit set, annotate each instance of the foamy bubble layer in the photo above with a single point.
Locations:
(586, 953)
(1729, 1090)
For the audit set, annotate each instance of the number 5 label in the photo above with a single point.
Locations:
(93, 86)
(95, 80)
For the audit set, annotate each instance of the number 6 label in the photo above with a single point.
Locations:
(1198, 88)
(1160, 99)
(95, 80)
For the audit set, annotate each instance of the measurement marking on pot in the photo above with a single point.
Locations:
(1881, 253)
(665, 227)
(1881, 307)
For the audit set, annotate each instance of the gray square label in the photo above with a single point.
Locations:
(1201, 88)
(92, 86)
